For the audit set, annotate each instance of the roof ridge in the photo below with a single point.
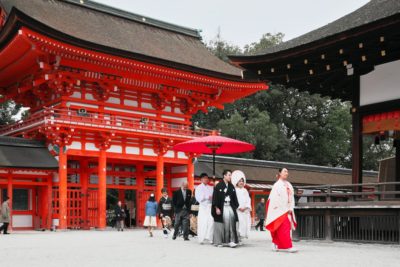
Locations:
(292, 164)
(17, 141)
(135, 17)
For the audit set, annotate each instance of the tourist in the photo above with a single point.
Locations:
(5, 216)
(194, 212)
(119, 216)
(181, 203)
(280, 213)
(205, 221)
(260, 211)
(244, 209)
(127, 216)
(165, 211)
(224, 205)
(150, 221)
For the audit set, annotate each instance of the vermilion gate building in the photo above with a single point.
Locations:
(109, 92)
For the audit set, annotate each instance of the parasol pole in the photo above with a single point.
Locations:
(214, 165)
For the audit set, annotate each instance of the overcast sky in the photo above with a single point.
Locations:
(242, 22)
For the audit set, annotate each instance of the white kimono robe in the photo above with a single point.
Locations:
(205, 221)
(244, 217)
(280, 202)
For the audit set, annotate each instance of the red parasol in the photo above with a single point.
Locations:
(214, 144)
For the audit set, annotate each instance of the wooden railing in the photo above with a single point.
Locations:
(348, 192)
(367, 213)
(103, 122)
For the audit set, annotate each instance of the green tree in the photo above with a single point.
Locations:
(222, 48)
(289, 125)
(8, 111)
(373, 153)
(257, 129)
(266, 41)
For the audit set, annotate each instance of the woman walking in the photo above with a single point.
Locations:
(194, 212)
(150, 221)
(244, 209)
(280, 213)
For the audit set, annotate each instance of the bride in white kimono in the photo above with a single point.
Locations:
(244, 210)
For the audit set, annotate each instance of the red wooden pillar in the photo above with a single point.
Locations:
(160, 176)
(121, 196)
(102, 189)
(43, 207)
(253, 205)
(84, 183)
(139, 196)
(190, 173)
(50, 200)
(10, 195)
(357, 142)
(62, 176)
(168, 176)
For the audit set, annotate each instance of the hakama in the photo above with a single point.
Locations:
(280, 214)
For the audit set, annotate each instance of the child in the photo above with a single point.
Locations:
(150, 221)
(165, 212)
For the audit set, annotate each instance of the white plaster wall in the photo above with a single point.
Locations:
(131, 103)
(147, 105)
(22, 221)
(76, 95)
(170, 154)
(149, 152)
(75, 145)
(113, 100)
(182, 155)
(91, 146)
(179, 169)
(380, 85)
(115, 149)
(177, 182)
(132, 150)
(89, 96)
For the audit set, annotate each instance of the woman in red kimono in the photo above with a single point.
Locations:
(280, 213)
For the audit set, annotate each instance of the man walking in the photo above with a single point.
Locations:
(181, 202)
(260, 211)
(119, 216)
(224, 206)
(204, 193)
(5, 216)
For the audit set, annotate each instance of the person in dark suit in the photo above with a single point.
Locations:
(181, 202)
(119, 216)
(224, 206)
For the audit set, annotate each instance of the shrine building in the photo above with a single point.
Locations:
(109, 93)
(355, 58)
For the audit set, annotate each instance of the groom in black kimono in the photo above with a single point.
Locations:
(224, 205)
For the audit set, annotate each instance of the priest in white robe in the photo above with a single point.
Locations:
(205, 221)
(280, 213)
(244, 209)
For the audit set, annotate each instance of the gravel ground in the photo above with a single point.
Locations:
(135, 248)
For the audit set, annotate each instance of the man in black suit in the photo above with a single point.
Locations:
(181, 202)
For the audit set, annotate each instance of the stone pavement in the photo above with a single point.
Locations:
(134, 248)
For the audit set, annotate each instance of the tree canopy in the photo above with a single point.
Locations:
(8, 111)
(286, 124)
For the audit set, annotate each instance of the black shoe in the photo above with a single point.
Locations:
(174, 237)
(6, 233)
(186, 239)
